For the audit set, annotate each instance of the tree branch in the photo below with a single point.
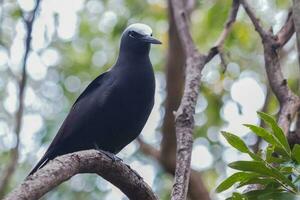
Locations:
(255, 21)
(91, 161)
(184, 119)
(218, 47)
(174, 69)
(289, 102)
(286, 31)
(10, 168)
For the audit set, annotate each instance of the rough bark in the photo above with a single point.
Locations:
(11, 166)
(174, 87)
(184, 121)
(64, 167)
(184, 117)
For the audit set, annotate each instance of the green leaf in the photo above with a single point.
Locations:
(296, 153)
(286, 170)
(269, 151)
(255, 157)
(234, 178)
(278, 133)
(236, 142)
(270, 194)
(260, 168)
(263, 133)
(257, 180)
(251, 166)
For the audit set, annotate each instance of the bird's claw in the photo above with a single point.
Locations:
(112, 156)
(115, 158)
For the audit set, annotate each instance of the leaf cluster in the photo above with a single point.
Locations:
(276, 169)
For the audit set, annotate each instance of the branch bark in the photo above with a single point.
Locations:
(10, 168)
(90, 161)
(218, 47)
(184, 119)
(174, 87)
(289, 102)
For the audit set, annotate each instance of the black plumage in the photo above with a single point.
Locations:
(113, 109)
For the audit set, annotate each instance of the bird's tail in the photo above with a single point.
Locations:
(44, 160)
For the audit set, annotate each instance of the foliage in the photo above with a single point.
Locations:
(276, 169)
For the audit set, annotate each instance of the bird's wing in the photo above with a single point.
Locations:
(78, 116)
(94, 84)
(82, 108)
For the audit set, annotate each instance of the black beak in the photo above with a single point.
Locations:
(150, 39)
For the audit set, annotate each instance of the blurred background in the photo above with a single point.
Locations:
(73, 41)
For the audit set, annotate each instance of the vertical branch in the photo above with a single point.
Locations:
(174, 88)
(184, 118)
(10, 168)
(184, 121)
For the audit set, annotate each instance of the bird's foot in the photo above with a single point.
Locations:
(134, 171)
(112, 156)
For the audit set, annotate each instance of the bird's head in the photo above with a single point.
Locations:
(138, 37)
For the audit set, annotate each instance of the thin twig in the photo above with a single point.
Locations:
(218, 46)
(10, 168)
(256, 22)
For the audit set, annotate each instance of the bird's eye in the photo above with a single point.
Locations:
(151, 35)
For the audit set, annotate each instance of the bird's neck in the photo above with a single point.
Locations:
(132, 59)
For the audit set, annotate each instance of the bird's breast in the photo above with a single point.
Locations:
(135, 97)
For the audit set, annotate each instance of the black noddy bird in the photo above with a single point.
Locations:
(113, 109)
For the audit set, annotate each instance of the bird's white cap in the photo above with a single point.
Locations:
(140, 28)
